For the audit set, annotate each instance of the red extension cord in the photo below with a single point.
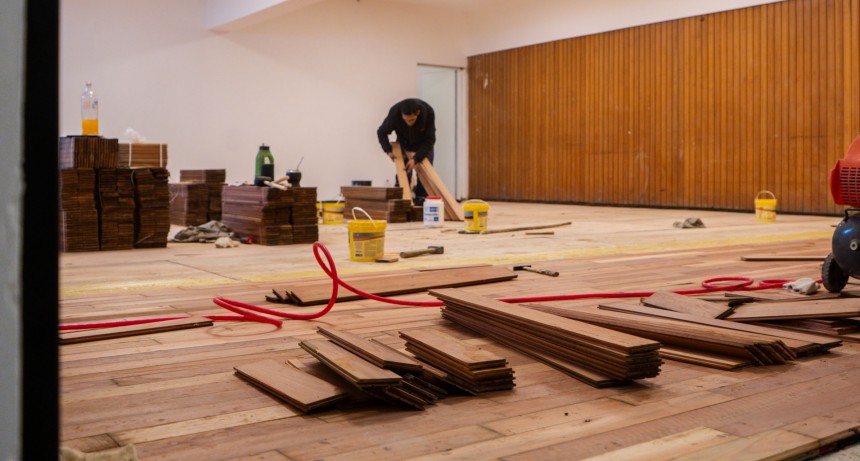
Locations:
(246, 312)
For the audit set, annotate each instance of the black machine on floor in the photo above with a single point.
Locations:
(844, 260)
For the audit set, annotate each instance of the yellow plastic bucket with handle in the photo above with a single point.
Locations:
(332, 212)
(765, 206)
(366, 238)
(475, 214)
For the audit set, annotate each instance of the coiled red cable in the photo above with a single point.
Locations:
(246, 311)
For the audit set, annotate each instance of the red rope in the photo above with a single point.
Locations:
(246, 311)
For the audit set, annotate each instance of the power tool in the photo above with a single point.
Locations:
(844, 260)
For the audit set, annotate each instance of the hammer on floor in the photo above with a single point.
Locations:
(536, 271)
(431, 250)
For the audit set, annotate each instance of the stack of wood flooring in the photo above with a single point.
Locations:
(312, 292)
(819, 314)
(262, 213)
(301, 390)
(214, 181)
(471, 368)
(304, 216)
(79, 217)
(152, 214)
(88, 152)
(598, 356)
(142, 155)
(189, 204)
(116, 204)
(383, 203)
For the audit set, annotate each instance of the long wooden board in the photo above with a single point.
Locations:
(80, 336)
(376, 353)
(300, 389)
(402, 177)
(828, 308)
(355, 369)
(319, 292)
(680, 303)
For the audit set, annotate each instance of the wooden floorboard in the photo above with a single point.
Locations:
(175, 397)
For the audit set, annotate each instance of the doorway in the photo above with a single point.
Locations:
(440, 86)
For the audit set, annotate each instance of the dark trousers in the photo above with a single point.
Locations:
(420, 193)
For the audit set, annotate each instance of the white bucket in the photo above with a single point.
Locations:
(434, 211)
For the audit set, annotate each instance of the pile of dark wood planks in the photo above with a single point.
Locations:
(312, 292)
(142, 155)
(152, 213)
(598, 356)
(435, 187)
(364, 369)
(116, 204)
(189, 204)
(88, 152)
(214, 181)
(471, 368)
(79, 217)
(271, 216)
(383, 203)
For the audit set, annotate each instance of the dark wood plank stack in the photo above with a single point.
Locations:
(88, 152)
(189, 204)
(304, 219)
(383, 203)
(142, 155)
(116, 209)
(271, 216)
(152, 214)
(261, 213)
(79, 217)
(214, 180)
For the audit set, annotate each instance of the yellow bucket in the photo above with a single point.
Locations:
(765, 206)
(366, 238)
(332, 212)
(475, 215)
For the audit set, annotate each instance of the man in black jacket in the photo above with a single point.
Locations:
(415, 124)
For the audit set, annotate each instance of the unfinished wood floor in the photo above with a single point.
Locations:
(175, 397)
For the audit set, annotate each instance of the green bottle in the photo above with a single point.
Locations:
(265, 162)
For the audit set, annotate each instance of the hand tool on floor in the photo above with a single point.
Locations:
(529, 268)
(431, 250)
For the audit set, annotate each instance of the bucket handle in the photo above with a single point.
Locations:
(766, 192)
(474, 200)
(365, 213)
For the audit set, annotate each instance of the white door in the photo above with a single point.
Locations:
(438, 87)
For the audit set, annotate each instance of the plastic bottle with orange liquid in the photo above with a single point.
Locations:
(89, 112)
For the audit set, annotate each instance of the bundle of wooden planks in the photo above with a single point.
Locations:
(189, 204)
(304, 218)
(88, 152)
(262, 213)
(116, 204)
(79, 217)
(598, 356)
(383, 203)
(152, 214)
(214, 181)
(471, 368)
(435, 187)
(142, 155)
(312, 292)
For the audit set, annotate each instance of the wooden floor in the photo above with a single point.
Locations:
(174, 395)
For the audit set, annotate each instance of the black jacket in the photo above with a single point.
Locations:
(418, 138)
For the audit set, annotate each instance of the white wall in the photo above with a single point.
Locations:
(11, 159)
(314, 83)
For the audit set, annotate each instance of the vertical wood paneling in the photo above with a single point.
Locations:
(700, 112)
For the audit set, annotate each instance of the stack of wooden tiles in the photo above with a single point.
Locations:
(471, 368)
(262, 213)
(88, 152)
(189, 204)
(79, 217)
(598, 356)
(142, 155)
(214, 180)
(152, 214)
(116, 209)
(383, 203)
(304, 218)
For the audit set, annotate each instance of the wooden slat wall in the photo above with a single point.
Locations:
(702, 112)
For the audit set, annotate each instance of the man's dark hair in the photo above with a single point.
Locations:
(410, 107)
